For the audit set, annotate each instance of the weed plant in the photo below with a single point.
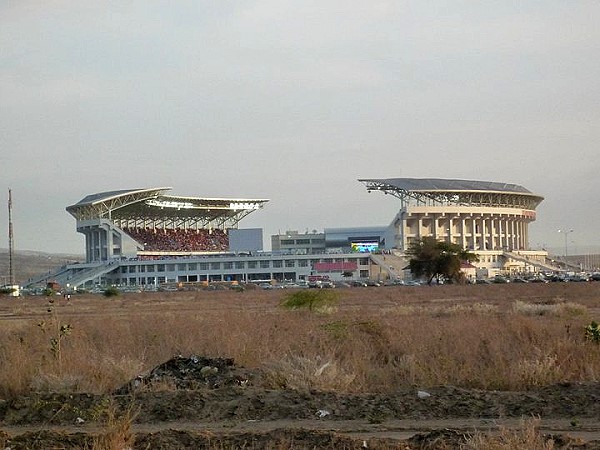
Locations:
(376, 340)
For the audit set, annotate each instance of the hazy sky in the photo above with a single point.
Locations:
(294, 101)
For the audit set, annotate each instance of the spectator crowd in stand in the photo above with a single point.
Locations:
(177, 240)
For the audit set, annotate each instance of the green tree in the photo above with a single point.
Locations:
(431, 259)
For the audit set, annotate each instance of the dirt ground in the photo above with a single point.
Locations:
(213, 403)
(216, 404)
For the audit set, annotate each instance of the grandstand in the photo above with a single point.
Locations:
(145, 222)
(145, 239)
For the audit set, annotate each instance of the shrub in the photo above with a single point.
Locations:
(320, 300)
(555, 309)
(592, 332)
(111, 291)
(527, 436)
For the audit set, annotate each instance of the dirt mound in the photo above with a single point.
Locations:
(191, 373)
(210, 403)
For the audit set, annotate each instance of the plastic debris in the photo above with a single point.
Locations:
(423, 394)
(323, 413)
(79, 421)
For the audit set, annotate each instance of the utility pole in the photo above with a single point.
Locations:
(11, 273)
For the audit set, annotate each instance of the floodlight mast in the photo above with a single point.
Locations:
(11, 274)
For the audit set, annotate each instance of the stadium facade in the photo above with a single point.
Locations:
(147, 237)
(490, 219)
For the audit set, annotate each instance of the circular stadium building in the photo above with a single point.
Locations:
(490, 219)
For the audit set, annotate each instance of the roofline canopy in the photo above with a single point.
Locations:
(452, 191)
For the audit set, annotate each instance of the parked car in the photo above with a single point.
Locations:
(519, 280)
(538, 280)
(500, 280)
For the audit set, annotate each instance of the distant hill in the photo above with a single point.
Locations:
(28, 264)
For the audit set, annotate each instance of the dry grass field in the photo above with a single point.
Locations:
(375, 343)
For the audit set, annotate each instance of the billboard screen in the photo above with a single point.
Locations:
(364, 247)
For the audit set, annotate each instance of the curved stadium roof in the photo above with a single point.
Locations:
(154, 204)
(469, 192)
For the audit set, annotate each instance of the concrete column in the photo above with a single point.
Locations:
(483, 234)
(495, 234)
(498, 244)
(521, 235)
(463, 238)
(109, 243)
(89, 254)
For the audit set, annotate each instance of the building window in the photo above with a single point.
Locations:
(215, 266)
(264, 264)
(142, 269)
(182, 267)
(171, 267)
(303, 263)
(277, 264)
(239, 264)
(203, 266)
(287, 242)
(251, 264)
(227, 265)
(290, 263)
(160, 268)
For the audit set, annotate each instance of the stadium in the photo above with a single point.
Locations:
(147, 238)
(490, 219)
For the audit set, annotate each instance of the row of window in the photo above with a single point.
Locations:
(227, 265)
(302, 241)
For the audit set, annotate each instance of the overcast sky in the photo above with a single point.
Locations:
(294, 101)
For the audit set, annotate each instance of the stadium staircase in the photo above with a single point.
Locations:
(81, 277)
(50, 276)
(531, 262)
(390, 263)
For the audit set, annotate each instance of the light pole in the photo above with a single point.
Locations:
(566, 233)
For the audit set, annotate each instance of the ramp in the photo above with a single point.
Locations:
(390, 263)
(50, 276)
(76, 279)
(530, 262)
